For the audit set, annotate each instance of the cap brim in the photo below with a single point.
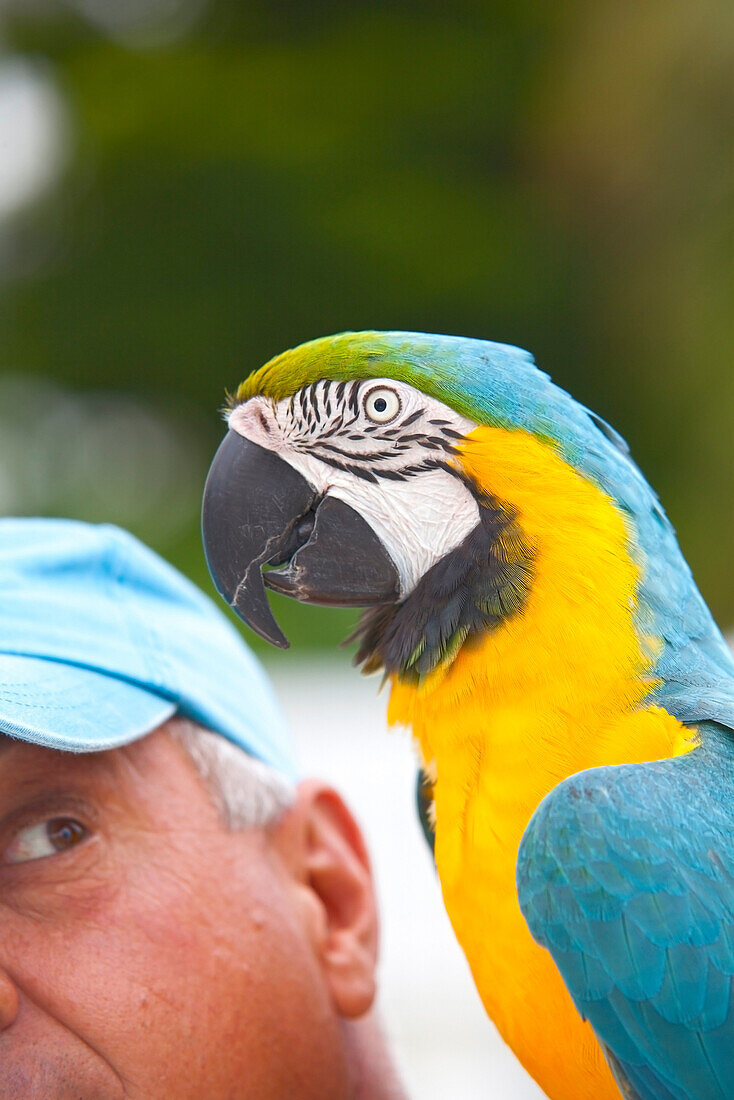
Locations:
(69, 707)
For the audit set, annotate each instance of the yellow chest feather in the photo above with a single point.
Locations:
(558, 688)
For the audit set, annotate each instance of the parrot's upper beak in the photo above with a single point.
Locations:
(257, 511)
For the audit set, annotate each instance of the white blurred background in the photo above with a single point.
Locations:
(445, 1046)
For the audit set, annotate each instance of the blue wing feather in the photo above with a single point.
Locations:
(626, 875)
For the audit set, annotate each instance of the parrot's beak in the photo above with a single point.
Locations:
(259, 511)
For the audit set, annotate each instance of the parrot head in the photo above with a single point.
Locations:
(343, 481)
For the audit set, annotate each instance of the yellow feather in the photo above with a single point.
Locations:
(557, 689)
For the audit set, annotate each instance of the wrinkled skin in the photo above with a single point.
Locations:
(164, 956)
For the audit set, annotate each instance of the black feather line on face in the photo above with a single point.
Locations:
(423, 467)
(437, 441)
(396, 440)
(471, 590)
(425, 440)
(333, 429)
(365, 456)
(315, 403)
(393, 475)
(362, 472)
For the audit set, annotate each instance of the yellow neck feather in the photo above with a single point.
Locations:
(558, 688)
(547, 689)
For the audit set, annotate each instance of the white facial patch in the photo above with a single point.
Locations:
(376, 446)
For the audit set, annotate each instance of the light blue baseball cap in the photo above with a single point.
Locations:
(101, 641)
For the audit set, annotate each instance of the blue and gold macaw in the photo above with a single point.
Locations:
(571, 696)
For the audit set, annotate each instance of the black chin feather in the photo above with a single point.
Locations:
(471, 590)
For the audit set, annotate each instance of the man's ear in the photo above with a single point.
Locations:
(323, 847)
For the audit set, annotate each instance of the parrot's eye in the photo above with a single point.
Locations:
(381, 404)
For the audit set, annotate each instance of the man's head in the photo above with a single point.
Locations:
(178, 918)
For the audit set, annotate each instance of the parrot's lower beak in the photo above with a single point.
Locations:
(259, 511)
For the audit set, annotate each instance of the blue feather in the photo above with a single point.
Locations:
(649, 959)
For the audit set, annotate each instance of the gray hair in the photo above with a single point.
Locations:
(244, 790)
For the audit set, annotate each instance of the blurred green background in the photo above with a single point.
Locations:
(187, 188)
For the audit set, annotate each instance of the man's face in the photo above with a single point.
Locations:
(145, 950)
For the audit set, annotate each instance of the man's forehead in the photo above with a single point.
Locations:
(132, 774)
(8, 742)
(10, 745)
(29, 770)
(16, 753)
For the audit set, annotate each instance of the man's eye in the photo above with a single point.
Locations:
(47, 838)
